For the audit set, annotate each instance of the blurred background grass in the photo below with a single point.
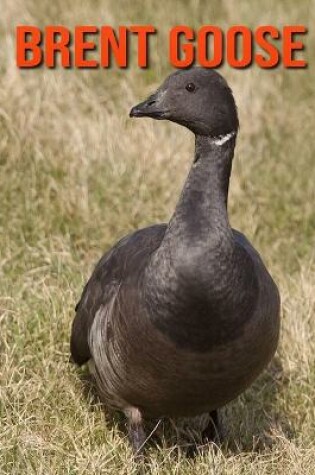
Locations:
(76, 174)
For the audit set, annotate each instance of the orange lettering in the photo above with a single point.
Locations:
(187, 49)
(269, 48)
(231, 39)
(82, 46)
(290, 46)
(143, 33)
(53, 45)
(203, 35)
(28, 39)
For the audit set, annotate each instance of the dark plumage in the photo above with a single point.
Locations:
(178, 319)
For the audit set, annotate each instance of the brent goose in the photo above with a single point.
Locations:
(178, 319)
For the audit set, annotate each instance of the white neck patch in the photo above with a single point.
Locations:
(221, 139)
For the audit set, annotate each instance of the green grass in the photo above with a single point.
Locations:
(76, 174)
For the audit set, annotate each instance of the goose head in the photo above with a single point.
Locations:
(199, 99)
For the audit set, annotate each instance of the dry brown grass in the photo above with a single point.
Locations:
(76, 174)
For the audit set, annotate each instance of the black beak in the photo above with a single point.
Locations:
(152, 107)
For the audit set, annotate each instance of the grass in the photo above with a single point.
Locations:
(76, 174)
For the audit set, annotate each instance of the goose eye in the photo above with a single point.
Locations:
(190, 87)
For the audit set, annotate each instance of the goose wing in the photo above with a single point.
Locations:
(116, 265)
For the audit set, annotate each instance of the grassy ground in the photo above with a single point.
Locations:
(76, 174)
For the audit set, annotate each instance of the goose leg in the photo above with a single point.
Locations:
(136, 431)
(213, 431)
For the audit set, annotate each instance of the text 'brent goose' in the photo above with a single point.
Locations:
(178, 319)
